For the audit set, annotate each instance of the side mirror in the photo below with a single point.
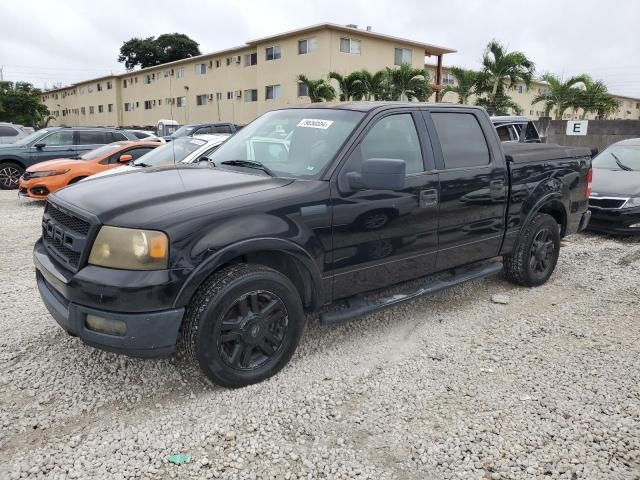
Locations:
(40, 146)
(205, 162)
(124, 158)
(379, 174)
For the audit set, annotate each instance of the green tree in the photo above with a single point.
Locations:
(318, 90)
(501, 71)
(559, 95)
(150, 51)
(466, 81)
(21, 103)
(595, 97)
(346, 84)
(500, 104)
(407, 83)
(371, 86)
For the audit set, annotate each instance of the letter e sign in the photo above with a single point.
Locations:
(577, 127)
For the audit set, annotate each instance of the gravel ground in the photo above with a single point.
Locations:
(536, 383)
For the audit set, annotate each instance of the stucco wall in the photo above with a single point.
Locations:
(600, 133)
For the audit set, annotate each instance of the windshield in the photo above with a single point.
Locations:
(182, 132)
(34, 136)
(101, 151)
(619, 157)
(296, 142)
(170, 153)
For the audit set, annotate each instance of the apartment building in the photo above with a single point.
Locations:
(237, 84)
(628, 107)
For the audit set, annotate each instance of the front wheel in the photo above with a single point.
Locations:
(535, 254)
(243, 325)
(9, 175)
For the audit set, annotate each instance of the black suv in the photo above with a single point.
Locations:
(51, 143)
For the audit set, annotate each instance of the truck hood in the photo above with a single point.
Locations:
(53, 164)
(615, 183)
(141, 197)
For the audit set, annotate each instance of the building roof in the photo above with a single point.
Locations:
(428, 49)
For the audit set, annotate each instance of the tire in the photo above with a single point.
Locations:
(9, 175)
(233, 311)
(535, 254)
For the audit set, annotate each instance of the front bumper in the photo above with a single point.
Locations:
(150, 333)
(615, 221)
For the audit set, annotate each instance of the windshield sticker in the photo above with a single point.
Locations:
(315, 123)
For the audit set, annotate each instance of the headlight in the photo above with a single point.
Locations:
(130, 249)
(632, 202)
(47, 173)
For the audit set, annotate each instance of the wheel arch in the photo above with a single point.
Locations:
(284, 256)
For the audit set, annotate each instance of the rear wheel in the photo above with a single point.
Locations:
(535, 255)
(243, 325)
(9, 175)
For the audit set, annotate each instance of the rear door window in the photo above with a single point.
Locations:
(116, 137)
(221, 129)
(86, 137)
(8, 131)
(461, 138)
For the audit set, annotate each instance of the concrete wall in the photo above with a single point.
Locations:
(600, 133)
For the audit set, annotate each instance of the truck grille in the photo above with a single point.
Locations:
(607, 203)
(65, 235)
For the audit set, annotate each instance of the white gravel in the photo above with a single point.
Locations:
(544, 385)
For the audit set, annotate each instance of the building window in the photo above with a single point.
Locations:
(100, 108)
(217, 63)
(81, 92)
(201, 68)
(99, 87)
(109, 85)
(201, 100)
(180, 72)
(83, 111)
(448, 79)
(146, 79)
(168, 101)
(91, 110)
(135, 79)
(272, 92)
(308, 45)
(521, 89)
(251, 95)
(110, 108)
(219, 96)
(303, 90)
(229, 95)
(250, 59)
(349, 45)
(272, 53)
(401, 55)
(147, 104)
(181, 101)
(124, 84)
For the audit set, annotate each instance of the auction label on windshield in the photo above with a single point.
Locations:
(315, 123)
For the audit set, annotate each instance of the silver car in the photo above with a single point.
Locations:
(11, 133)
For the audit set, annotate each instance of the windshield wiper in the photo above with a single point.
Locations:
(249, 164)
(620, 164)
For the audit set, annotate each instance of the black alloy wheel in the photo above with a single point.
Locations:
(9, 176)
(542, 251)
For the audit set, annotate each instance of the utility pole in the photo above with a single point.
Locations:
(1, 74)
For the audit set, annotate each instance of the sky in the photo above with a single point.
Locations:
(47, 42)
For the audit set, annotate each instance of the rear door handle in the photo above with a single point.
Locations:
(429, 198)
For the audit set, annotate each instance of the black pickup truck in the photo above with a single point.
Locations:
(230, 256)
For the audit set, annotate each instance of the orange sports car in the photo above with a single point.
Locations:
(44, 178)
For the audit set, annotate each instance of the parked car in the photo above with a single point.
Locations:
(234, 258)
(615, 199)
(516, 129)
(146, 136)
(202, 129)
(51, 143)
(183, 150)
(43, 178)
(11, 133)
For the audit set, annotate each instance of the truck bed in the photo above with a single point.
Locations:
(539, 152)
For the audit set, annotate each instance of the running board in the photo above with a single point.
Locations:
(360, 305)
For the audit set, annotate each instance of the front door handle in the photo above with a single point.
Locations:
(429, 198)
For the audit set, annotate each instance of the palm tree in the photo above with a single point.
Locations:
(559, 95)
(499, 105)
(595, 97)
(465, 83)
(370, 86)
(317, 90)
(502, 70)
(346, 84)
(407, 83)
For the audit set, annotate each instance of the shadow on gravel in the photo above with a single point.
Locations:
(26, 203)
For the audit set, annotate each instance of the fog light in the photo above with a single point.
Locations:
(105, 325)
